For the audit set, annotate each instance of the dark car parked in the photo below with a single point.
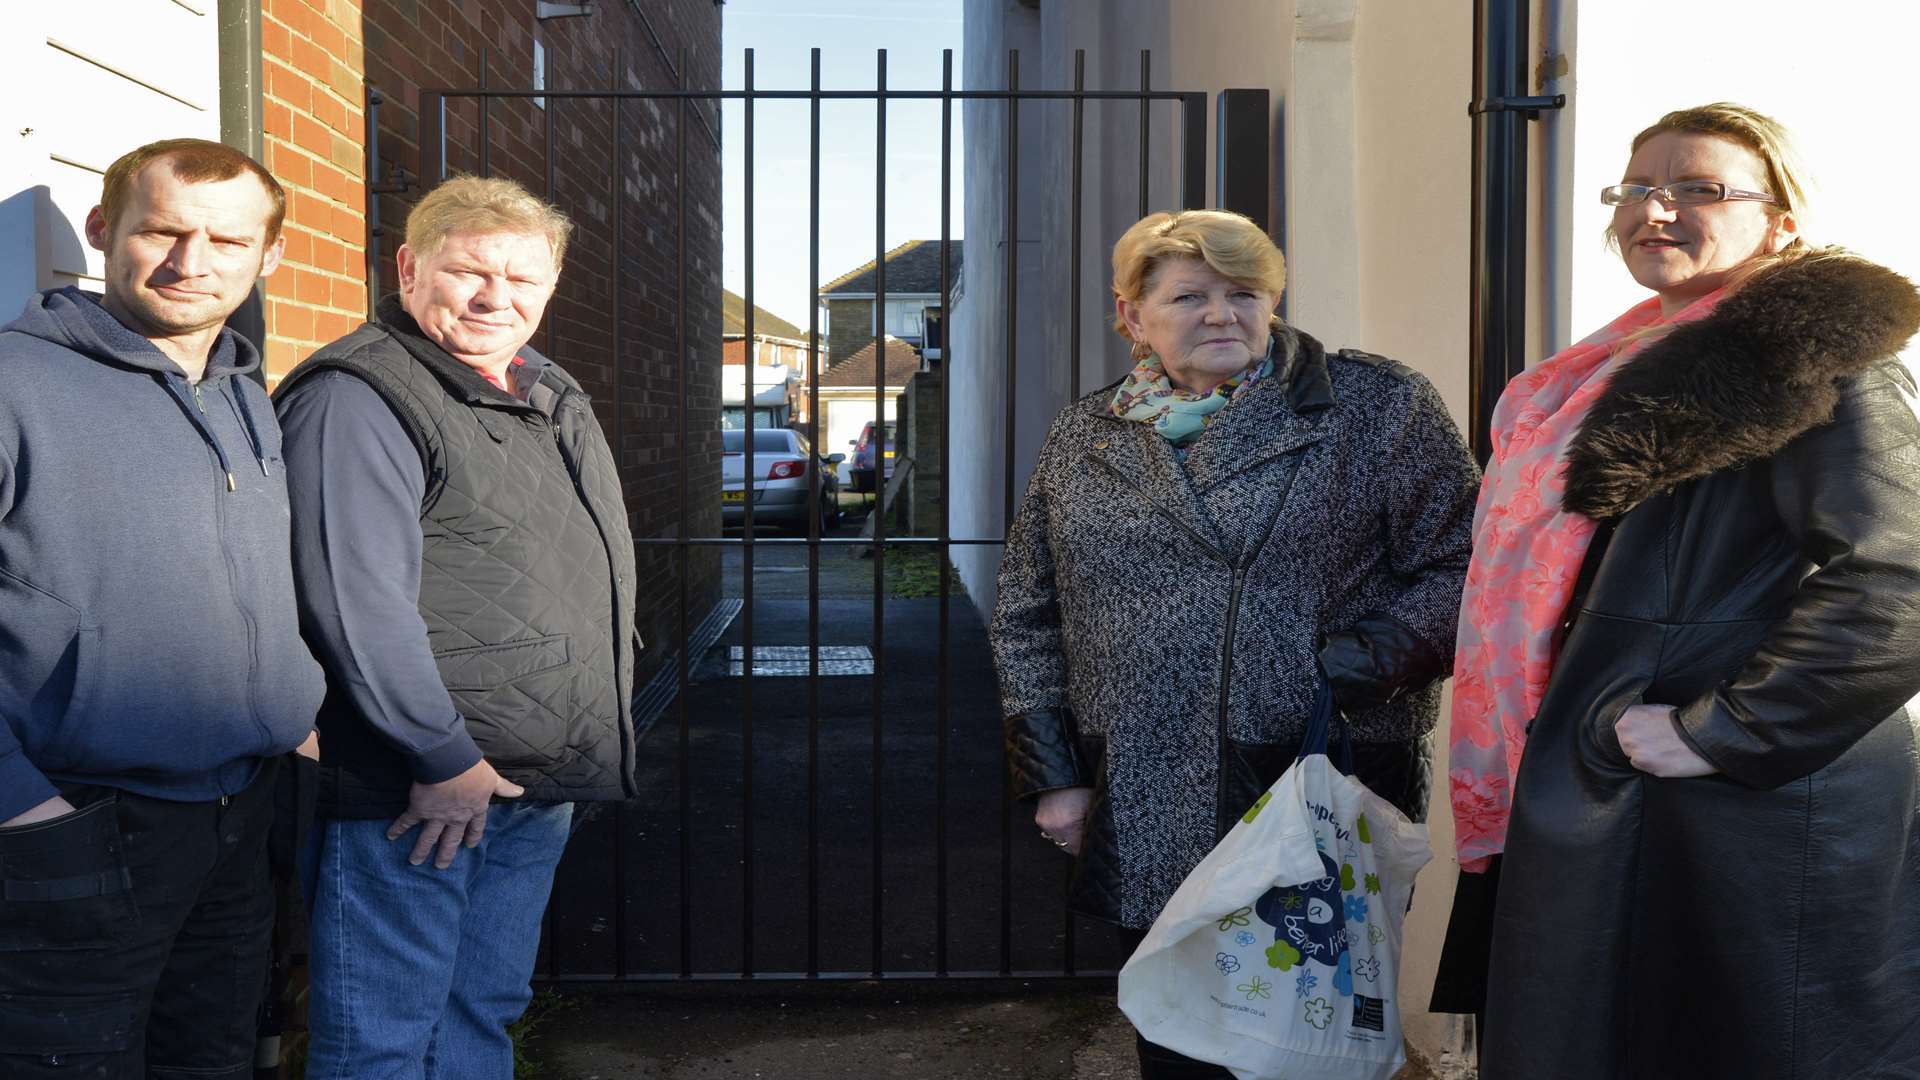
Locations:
(863, 451)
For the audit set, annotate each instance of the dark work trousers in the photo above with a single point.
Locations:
(134, 937)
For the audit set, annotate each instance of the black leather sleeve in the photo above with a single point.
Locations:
(1379, 659)
(1041, 753)
(1847, 655)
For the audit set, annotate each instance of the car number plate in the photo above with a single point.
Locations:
(733, 496)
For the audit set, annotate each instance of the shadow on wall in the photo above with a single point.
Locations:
(31, 224)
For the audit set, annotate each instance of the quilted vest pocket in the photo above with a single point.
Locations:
(487, 667)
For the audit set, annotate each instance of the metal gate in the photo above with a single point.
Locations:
(909, 863)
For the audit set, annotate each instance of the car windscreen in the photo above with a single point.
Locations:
(764, 441)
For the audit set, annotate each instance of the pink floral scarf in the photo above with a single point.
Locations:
(1526, 559)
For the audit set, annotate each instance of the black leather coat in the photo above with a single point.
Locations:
(1762, 468)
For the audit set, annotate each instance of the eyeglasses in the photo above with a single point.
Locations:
(1684, 193)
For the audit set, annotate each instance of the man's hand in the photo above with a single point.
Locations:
(451, 811)
(1062, 816)
(1648, 739)
(46, 811)
(311, 748)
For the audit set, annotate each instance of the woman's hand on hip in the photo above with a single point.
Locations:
(1648, 738)
(1062, 816)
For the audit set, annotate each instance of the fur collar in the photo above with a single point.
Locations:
(1738, 385)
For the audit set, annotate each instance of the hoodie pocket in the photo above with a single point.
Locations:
(48, 657)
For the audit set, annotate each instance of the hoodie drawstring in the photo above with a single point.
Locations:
(253, 431)
(185, 395)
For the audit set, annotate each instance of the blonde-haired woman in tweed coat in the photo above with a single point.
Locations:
(1191, 540)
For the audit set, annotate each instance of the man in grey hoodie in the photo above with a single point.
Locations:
(151, 666)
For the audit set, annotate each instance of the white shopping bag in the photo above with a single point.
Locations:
(1279, 955)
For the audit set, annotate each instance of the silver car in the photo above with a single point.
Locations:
(781, 458)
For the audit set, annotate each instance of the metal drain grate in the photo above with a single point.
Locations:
(793, 660)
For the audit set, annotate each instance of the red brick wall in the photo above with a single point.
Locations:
(416, 44)
(315, 131)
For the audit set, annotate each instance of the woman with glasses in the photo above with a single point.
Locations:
(1243, 505)
(1689, 635)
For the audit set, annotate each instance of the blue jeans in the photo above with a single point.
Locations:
(417, 972)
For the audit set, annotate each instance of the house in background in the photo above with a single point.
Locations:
(777, 356)
(847, 395)
(913, 299)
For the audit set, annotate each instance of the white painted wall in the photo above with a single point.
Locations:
(82, 82)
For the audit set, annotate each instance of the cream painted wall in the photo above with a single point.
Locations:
(1414, 75)
(1323, 173)
(1415, 144)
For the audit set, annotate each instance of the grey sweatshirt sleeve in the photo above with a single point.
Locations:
(355, 484)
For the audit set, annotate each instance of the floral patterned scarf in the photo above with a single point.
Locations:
(1148, 396)
(1527, 554)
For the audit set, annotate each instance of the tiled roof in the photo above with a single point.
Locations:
(913, 267)
(733, 319)
(857, 370)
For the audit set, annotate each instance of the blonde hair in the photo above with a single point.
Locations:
(193, 161)
(485, 204)
(1786, 176)
(1230, 243)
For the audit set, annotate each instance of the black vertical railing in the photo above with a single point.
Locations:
(1076, 149)
(486, 113)
(944, 719)
(682, 385)
(1146, 129)
(1011, 243)
(813, 529)
(748, 438)
(683, 360)
(877, 750)
(617, 377)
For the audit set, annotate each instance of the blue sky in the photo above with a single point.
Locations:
(781, 33)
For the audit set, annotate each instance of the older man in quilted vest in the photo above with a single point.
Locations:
(465, 574)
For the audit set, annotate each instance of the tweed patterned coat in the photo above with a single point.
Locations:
(1158, 621)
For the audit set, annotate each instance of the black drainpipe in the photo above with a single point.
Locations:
(1500, 111)
(377, 185)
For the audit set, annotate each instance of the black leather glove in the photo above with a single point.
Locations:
(1376, 661)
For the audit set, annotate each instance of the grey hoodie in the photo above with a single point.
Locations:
(148, 635)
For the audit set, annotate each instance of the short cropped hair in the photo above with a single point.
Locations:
(485, 204)
(194, 161)
(1230, 243)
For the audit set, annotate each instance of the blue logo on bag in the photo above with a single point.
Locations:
(1311, 919)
